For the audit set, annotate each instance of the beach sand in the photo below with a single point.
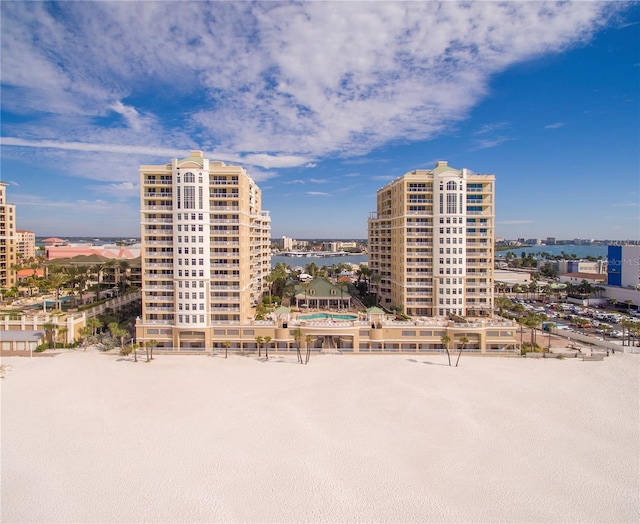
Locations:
(90, 437)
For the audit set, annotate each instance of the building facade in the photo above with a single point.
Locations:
(205, 250)
(25, 244)
(431, 243)
(7, 240)
(623, 266)
(285, 244)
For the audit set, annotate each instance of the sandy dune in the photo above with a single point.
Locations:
(89, 437)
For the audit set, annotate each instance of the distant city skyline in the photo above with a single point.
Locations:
(323, 104)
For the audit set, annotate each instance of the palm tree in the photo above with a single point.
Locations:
(626, 328)
(306, 286)
(123, 274)
(445, 339)
(297, 336)
(311, 269)
(308, 339)
(94, 323)
(521, 323)
(342, 288)
(84, 332)
(96, 271)
(118, 332)
(464, 340)
(532, 321)
(111, 265)
(267, 341)
(226, 345)
(152, 344)
(49, 330)
(56, 280)
(62, 331)
(376, 278)
(502, 303)
(259, 344)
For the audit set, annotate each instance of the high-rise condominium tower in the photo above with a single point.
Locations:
(205, 250)
(431, 243)
(25, 244)
(7, 240)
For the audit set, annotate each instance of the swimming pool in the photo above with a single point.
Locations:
(328, 316)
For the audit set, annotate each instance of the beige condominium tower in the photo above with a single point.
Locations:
(431, 243)
(205, 250)
(7, 240)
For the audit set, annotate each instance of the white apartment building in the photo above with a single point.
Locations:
(431, 243)
(205, 250)
(286, 244)
(7, 239)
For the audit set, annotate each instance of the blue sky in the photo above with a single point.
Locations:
(323, 104)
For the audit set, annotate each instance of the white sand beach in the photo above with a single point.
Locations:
(90, 437)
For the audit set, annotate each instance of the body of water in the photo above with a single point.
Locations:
(319, 261)
(579, 251)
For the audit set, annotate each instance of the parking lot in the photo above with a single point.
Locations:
(599, 323)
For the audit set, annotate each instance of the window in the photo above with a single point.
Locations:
(451, 186)
(189, 178)
(451, 202)
(189, 197)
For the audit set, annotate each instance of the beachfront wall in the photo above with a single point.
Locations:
(486, 337)
(66, 325)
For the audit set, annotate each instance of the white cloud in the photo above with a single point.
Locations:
(556, 125)
(269, 84)
(626, 204)
(133, 118)
(488, 143)
(318, 180)
(119, 191)
(318, 193)
(514, 222)
(82, 146)
(492, 128)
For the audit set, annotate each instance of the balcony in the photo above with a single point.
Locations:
(158, 195)
(157, 208)
(157, 221)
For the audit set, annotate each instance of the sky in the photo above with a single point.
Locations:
(323, 103)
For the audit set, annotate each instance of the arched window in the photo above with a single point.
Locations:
(452, 186)
(189, 178)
